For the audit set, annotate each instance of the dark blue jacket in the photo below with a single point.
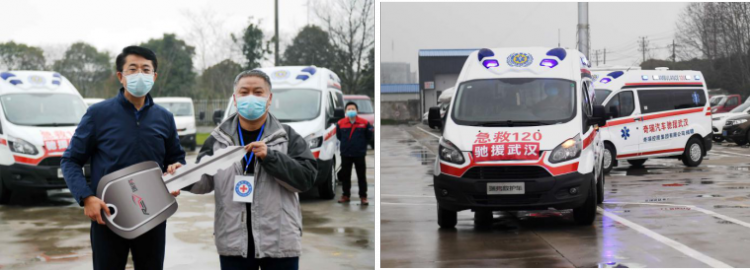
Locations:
(354, 137)
(114, 136)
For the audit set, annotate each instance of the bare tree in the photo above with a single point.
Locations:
(351, 26)
(205, 30)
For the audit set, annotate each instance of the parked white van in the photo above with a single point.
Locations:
(521, 134)
(40, 112)
(92, 101)
(310, 100)
(654, 113)
(184, 117)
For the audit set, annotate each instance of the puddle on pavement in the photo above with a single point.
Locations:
(424, 156)
(657, 200)
(611, 265)
(709, 196)
(407, 141)
(360, 234)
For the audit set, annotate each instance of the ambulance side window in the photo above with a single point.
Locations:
(585, 106)
(621, 105)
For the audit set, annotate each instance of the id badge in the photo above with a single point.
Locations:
(244, 185)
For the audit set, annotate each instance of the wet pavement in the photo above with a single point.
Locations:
(660, 215)
(49, 231)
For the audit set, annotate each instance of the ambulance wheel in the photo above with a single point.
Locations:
(327, 190)
(447, 219)
(586, 213)
(637, 162)
(610, 158)
(4, 193)
(600, 189)
(693, 155)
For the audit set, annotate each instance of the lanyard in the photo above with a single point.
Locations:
(242, 142)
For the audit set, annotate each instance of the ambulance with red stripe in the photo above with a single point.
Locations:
(309, 99)
(521, 134)
(39, 112)
(654, 114)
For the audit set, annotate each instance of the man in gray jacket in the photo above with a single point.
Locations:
(258, 221)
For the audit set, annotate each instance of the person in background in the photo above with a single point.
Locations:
(353, 132)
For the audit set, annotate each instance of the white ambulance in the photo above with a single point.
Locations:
(310, 100)
(654, 113)
(521, 134)
(39, 113)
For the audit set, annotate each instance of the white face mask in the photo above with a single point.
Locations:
(139, 84)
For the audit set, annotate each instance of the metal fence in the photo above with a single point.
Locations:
(208, 106)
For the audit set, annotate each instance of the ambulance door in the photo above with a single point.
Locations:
(667, 118)
(624, 127)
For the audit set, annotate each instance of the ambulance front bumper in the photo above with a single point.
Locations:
(456, 194)
(41, 177)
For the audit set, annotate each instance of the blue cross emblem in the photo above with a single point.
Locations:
(625, 133)
(696, 98)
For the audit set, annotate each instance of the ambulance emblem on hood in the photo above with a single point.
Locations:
(520, 60)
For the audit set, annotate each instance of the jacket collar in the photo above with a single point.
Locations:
(126, 103)
(227, 130)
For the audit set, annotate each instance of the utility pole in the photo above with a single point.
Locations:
(605, 56)
(644, 44)
(596, 56)
(276, 37)
(583, 29)
(674, 58)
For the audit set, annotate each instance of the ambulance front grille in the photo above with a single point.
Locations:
(506, 172)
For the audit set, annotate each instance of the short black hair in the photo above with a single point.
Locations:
(253, 73)
(351, 103)
(137, 50)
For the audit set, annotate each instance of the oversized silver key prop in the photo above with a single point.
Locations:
(140, 197)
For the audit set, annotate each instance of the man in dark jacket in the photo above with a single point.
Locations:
(353, 132)
(115, 134)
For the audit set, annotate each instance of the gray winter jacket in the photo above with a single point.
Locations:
(288, 168)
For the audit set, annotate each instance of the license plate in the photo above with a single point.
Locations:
(506, 188)
(724, 133)
(59, 173)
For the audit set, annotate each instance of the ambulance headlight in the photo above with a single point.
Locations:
(449, 152)
(569, 149)
(736, 122)
(548, 63)
(22, 147)
(490, 63)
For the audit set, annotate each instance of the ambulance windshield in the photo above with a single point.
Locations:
(515, 102)
(43, 110)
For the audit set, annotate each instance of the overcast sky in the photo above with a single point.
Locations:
(405, 28)
(112, 25)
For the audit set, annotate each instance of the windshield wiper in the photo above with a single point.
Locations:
(56, 124)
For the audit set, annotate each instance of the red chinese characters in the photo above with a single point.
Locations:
(57, 141)
(664, 126)
(506, 151)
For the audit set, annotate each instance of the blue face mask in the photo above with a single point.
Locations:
(139, 84)
(351, 114)
(251, 107)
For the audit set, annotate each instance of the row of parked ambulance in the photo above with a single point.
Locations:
(538, 128)
(39, 112)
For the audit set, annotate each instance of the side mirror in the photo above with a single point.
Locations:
(600, 117)
(218, 115)
(338, 114)
(433, 117)
(201, 115)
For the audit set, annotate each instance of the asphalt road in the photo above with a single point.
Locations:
(660, 215)
(49, 231)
